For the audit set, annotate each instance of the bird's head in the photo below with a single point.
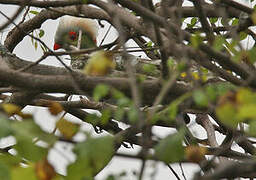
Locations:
(67, 33)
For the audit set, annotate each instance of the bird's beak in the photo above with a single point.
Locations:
(56, 46)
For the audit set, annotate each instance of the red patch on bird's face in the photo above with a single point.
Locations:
(95, 41)
(56, 46)
(72, 35)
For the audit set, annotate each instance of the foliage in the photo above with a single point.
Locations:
(196, 67)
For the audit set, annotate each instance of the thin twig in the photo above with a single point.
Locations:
(182, 171)
(79, 39)
(75, 84)
(142, 169)
(175, 174)
(16, 14)
(105, 34)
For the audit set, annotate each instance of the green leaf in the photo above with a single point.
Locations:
(170, 149)
(222, 88)
(92, 156)
(59, 177)
(110, 177)
(133, 114)
(173, 107)
(148, 68)
(227, 114)
(252, 128)
(93, 119)
(252, 55)
(246, 96)
(193, 22)
(118, 94)
(196, 40)
(36, 45)
(119, 114)
(141, 78)
(5, 128)
(171, 63)
(232, 46)
(41, 33)
(173, 110)
(33, 12)
(10, 160)
(200, 98)
(213, 20)
(105, 116)
(19, 173)
(242, 35)
(211, 92)
(4, 172)
(246, 112)
(85, 1)
(149, 44)
(235, 22)
(122, 100)
(29, 129)
(25, 132)
(218, 43)
(182, 66)
(100, 91)
(28, 150)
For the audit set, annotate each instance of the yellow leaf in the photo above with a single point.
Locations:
(25, 115)
(183, 74)
(67, 128)
(195, 75)
(100, 63)
(227, 114)
(55, 108)
(253, 17)
(44, 170)
(11, 109)
(195, 153)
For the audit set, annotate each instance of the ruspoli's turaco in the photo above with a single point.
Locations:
(74, 33)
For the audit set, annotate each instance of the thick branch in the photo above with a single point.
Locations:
(232, 170)
(64, 84)
(210, 11)
(18, 33)
(44, 4)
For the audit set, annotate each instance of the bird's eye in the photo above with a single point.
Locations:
(72, 35)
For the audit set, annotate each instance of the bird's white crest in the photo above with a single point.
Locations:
(88, 25)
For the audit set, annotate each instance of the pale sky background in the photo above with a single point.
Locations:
(26, 51)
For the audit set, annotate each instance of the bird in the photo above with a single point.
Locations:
(75, 33)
